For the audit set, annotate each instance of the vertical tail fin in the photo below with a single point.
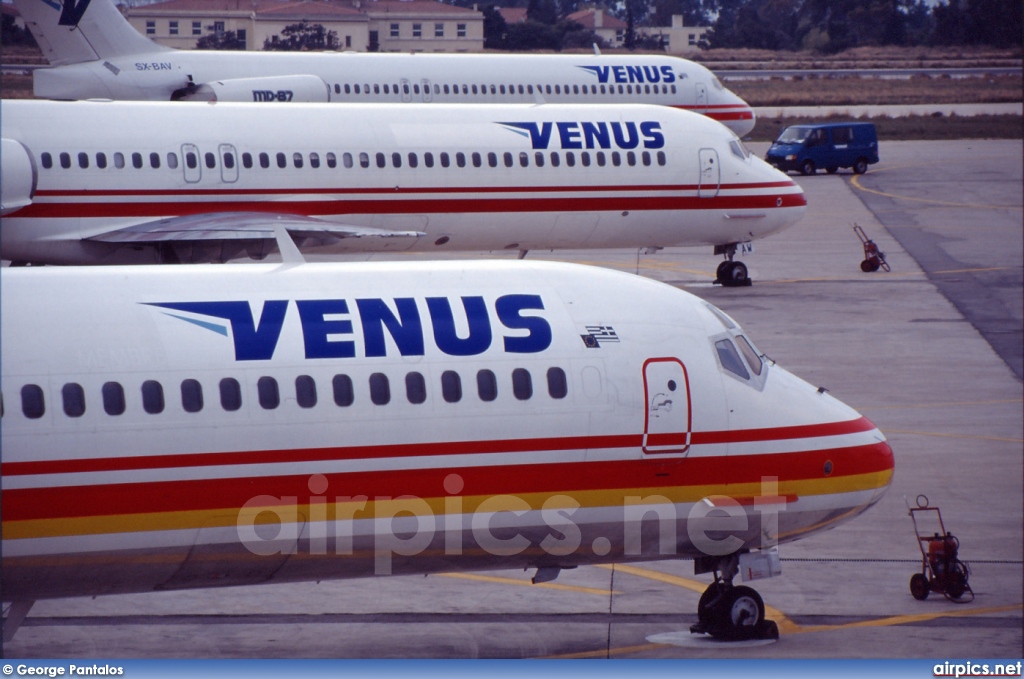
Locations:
(74, 31)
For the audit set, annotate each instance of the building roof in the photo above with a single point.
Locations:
(207, 6)
(333, 8)
(411, 6)
(311, 8)
(588, 19)
(513, 15)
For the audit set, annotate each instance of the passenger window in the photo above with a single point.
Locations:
(46, 159)
(154, 160)
(381, 160)
(73, 397)
(191, 396)
(305, 391)
(492, 159)
(297, 160)
(570, 159)
(396, 159)
(451, 386)
(428, 159)
(32, 403)
(522, 385)
(282, 160)
(486, 385)
(585, 158)
(101, 160)
(415, 388)
(508, 159)
(661, 158)
(524, 159)
(538, 159)
(65, 160)
(364, 160)
(460, 159)
(730, 358)
(445, 162)
(230, 394)
(344, 395)
(557, 385)
(616, 159)
(630, 158)
(600, 158)
(332, 160)
(646, 157)
(246, 160)
(413, 160)
(119, 160)
(268, 393)
(314, 160)
(152, 397)
(554, 159)
(346, 160)
(380, 390)
(137, 160)
(211, 160)
(172, 160)
(83, 160)
(753, 360)
(264, 161)
(477, 160)
(113, 398)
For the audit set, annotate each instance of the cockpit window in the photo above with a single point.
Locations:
(753, 360)
(738, 149)
(730, 358)
(794, 135)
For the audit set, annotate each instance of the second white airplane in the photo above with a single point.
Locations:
(135, 182)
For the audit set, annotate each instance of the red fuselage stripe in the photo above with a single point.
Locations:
(561, 477)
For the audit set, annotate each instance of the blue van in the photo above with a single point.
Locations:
(831, 146)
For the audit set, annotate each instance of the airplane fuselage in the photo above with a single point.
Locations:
(110, 181)
(171, 427)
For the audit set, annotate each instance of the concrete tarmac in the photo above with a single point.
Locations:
(912, 349)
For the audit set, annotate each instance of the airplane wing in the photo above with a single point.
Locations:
(229, 226)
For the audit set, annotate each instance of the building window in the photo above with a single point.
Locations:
(438, 30)
(394, 30)
(197, 28)
(240, 36)
(173, 30)
(460, 30)
(417, 30)
(218, 27)
(150, 28)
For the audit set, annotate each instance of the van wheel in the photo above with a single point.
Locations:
(807, 168)
(832, 170)
(860, 167)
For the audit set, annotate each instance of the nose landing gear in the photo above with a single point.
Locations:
(731, 273)
(732, 612)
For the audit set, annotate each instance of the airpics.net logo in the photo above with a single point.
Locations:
(972, 669)
(500, 525)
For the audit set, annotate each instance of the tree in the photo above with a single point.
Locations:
(11, 34)
(301, 37)
(495, 28)
(542, 11)
(629, 40)
(228, 40)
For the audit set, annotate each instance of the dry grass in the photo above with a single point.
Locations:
(860, 57)
(911, 128)
(811, 90)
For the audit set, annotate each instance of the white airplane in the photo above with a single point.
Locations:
(172, 428)
(130, 182)
(96, 53)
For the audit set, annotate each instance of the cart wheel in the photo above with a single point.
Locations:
(919, 586)
(956, 581)
(869, 265)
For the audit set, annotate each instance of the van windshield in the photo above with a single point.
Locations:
(794, 135)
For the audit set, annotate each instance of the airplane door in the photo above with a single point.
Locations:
(406, 90)
(190, 163)
(228, 163)
(427, 94)
(667, 410)
(701, 90)
(710, 175)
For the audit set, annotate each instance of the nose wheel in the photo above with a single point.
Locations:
(732, 612)
(731, 273)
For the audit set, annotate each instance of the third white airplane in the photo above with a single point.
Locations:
(96, 53)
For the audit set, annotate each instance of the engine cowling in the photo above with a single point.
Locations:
(281, 89)
(18, 176)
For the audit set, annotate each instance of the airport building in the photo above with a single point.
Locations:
(360, 25)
